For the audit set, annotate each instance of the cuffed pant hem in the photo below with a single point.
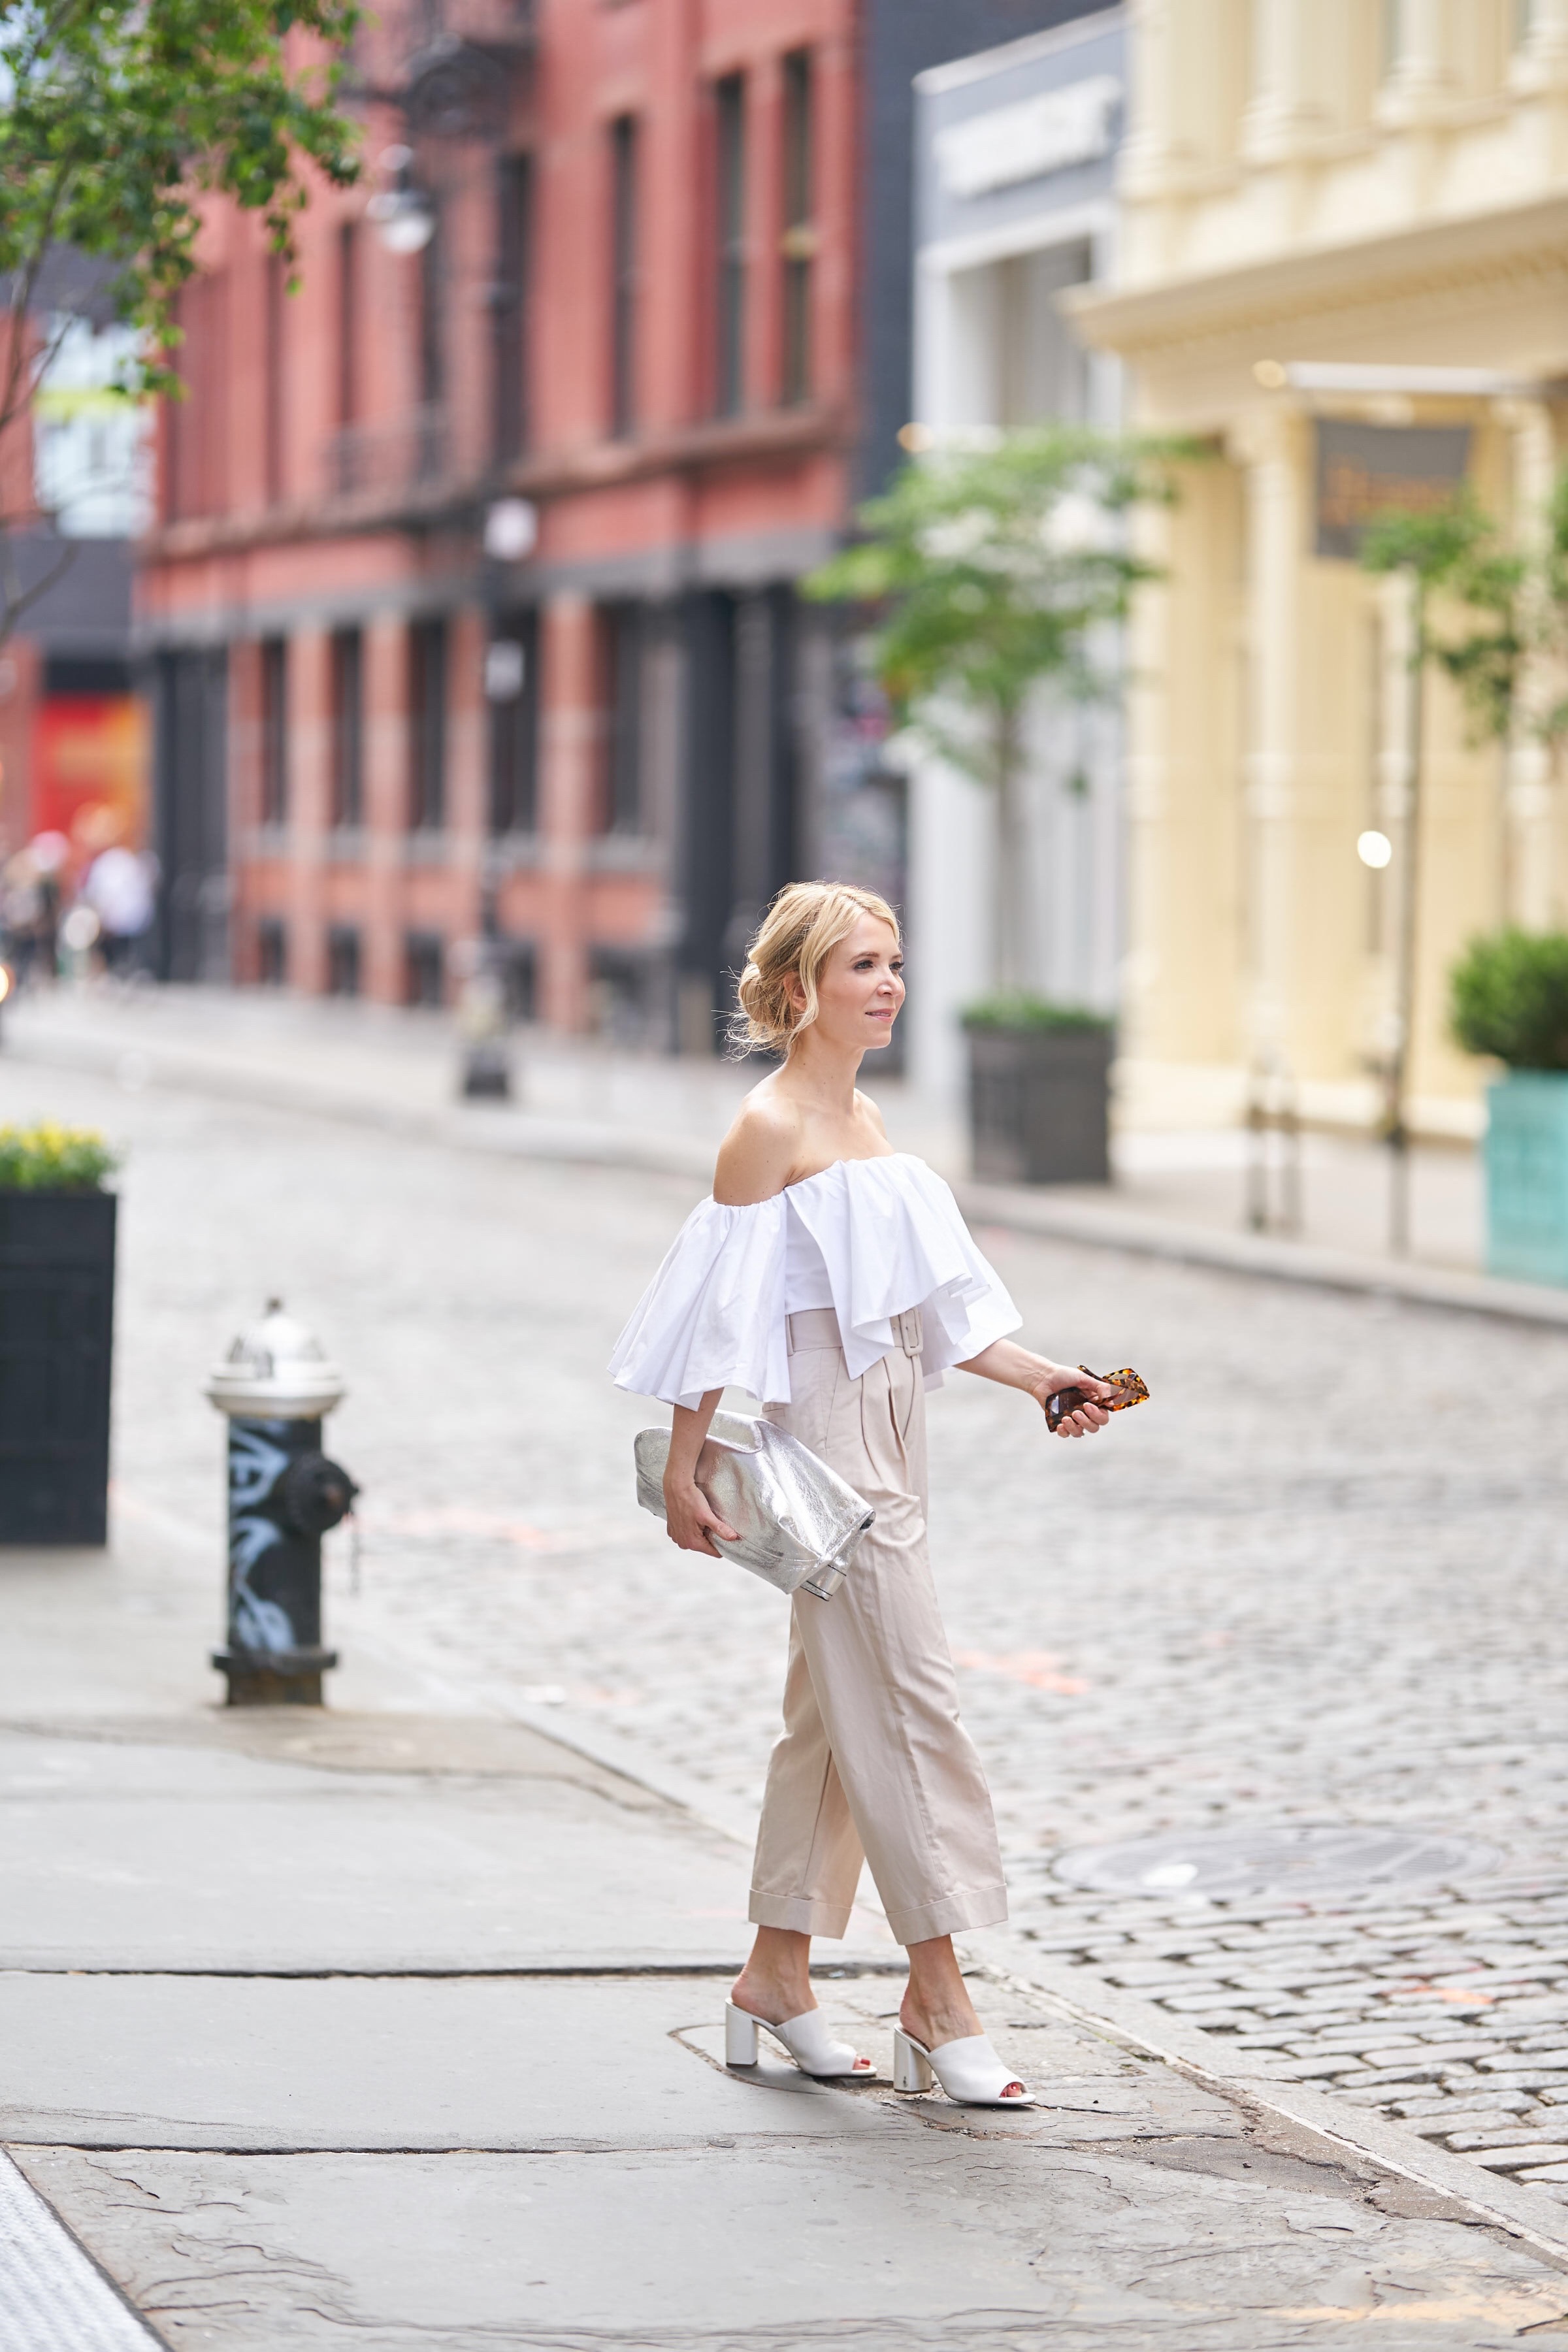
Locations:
(972, 1907)
(806, 1914)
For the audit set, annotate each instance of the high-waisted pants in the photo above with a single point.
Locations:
(873, 1763)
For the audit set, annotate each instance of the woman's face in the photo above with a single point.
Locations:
(860, 987)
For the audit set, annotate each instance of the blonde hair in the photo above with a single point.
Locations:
(798, 933)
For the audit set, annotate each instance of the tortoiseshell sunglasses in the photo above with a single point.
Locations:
(1129, 1390)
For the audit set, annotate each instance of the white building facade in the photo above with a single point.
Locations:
(1014, 168)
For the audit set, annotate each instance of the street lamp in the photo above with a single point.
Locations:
(1373, 848)
(404, 215)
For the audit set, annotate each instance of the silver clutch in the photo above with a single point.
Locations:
(799, 1522)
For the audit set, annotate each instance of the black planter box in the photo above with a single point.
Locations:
(56, 1328)
(1039, 1105)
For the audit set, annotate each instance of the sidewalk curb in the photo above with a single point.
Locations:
(1109, 1226)
(524, 1135)
(1344, 2129)
(49, 2282)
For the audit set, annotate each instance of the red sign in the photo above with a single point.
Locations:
(89, 771)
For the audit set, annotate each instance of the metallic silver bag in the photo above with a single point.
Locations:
(799, 1522)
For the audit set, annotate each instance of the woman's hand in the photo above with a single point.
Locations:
(689, 1514)
(1020, 1368)
(691, 1517)
(1085, 1419)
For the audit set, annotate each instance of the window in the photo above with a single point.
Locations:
(622, 275)
(424, 961)
(196, 480)
(277, 294)
(271, 952)
(428, 726)
(348, 729)
(274, 731)
(621, 637)
(511, 690)
(730, 307)
(348, 323)
(343, 960)
(515, 199)
(797, 244)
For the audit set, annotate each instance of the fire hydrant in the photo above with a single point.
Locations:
(276, 1386)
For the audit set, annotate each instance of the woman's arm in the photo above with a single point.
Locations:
(686, 1507)
(1020, 1368)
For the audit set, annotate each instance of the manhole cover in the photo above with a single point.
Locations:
(1225, 1864)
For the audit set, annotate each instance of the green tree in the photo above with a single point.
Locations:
(994, 570)
(116, 116)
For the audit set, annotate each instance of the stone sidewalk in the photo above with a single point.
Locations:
(403, 2030)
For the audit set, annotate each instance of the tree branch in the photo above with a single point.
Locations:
(14, 600)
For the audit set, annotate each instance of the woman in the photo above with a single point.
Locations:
(834, 1279)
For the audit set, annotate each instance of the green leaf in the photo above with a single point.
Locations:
(990, 571)
(118, 115)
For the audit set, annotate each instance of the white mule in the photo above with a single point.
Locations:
(806, 2038)
(968, 2069)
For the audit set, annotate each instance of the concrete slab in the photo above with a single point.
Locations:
(162, 1856)
(508, 2064)
(885, 2242)
(384, 2062)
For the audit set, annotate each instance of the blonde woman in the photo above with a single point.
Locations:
(834, 1279)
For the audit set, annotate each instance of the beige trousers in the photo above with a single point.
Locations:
(873, 1763)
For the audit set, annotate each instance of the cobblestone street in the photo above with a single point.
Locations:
(1317, 1581)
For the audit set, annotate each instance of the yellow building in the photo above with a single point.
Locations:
(1380, 188)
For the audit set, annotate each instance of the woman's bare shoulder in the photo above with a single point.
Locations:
(758, 1156)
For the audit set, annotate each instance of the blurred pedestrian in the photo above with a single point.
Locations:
(21, 908)
(119, 885)
(834, 1279)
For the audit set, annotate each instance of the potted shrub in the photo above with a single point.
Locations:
(1510, 1000)
(56, 1324)
(1039, 1091)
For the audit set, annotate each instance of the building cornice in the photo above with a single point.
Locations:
(1363, 274)
(778, 437)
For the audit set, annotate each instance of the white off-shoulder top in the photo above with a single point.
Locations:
(870, 1238)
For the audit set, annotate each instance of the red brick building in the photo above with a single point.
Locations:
(471, 609)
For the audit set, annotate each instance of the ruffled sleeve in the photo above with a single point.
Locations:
(714, 1315)
(892, 1237)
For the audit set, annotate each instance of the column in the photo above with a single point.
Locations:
(385, 805)
(1286, 112)
(1540, 76)
(570, 730)
(309, 803)
(1421, 80)
(467, 763)
(1276, 527)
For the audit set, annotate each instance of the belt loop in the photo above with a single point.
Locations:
(912, 1334)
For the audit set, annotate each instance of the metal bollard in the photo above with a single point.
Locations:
(276, 1387)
